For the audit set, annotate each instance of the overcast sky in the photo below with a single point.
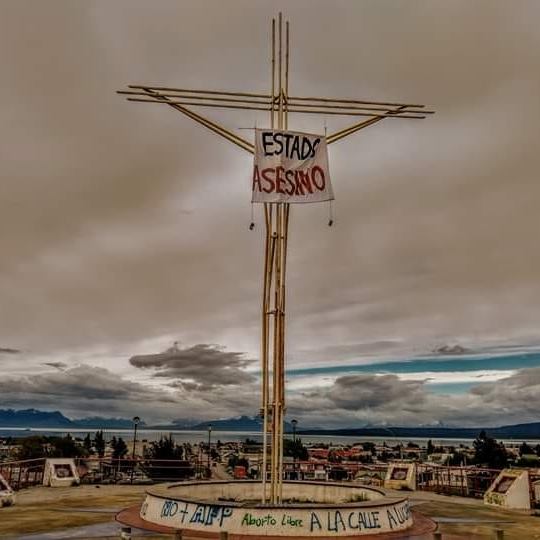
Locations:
(125, 226)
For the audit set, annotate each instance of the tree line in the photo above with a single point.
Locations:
(42, 446)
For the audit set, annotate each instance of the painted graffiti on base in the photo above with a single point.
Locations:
(398, 515)
(297, 521)
(342, 521)
(269, 520)
(205, 514)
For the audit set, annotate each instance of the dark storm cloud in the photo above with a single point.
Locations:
(358, 400)
(91, 383)
(361, 399)
(201, 366)
(354, 391)
(58, 365)
(199, 399)
(515, 398)
(7, 350)
(85, 391)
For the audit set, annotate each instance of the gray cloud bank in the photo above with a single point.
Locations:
(201, 366)
(350, 401)
(386, 400)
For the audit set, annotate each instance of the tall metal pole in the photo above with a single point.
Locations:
(267, 285)
(273, 331)
(209, 442)
(274, 291)
(294, 422)
(136, 421)
(199, 461)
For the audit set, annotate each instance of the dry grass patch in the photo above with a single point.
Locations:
(43, 509)
(517, 527)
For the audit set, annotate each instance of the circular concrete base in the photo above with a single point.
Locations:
(312, 509)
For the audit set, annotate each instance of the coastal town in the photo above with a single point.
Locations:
(457, 473)
(445, 466)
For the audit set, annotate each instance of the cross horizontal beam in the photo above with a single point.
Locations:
(266, 105)
(162, 89)
(291, 107)
(318, 103)
(178, 98)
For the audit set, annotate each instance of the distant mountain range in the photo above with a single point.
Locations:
(33, 418)
(238, 423)
(518, 431)
(97, 422)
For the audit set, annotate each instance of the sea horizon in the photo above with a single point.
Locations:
(195, 436)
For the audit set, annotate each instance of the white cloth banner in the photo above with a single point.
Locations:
(290, 167)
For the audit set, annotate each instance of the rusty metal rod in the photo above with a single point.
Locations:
(197, 104)
(336, 100)
(353, 107)
(272, 115)
(334, 137)
(347, 113)
(350, 130)
(216, 128)
(202, 98)
(216, 92)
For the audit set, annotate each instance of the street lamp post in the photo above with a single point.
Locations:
(209, 440)
(199, 461)
(294, 422)
(136, 421)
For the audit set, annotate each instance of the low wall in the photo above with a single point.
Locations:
(323, 509)
(60, 472)
(245, 491)
(401, 476)
(510, 490)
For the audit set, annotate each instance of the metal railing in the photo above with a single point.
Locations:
(462, 481)
(25, 473)
(135, 470)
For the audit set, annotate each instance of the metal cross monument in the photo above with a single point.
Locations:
(279, 104)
